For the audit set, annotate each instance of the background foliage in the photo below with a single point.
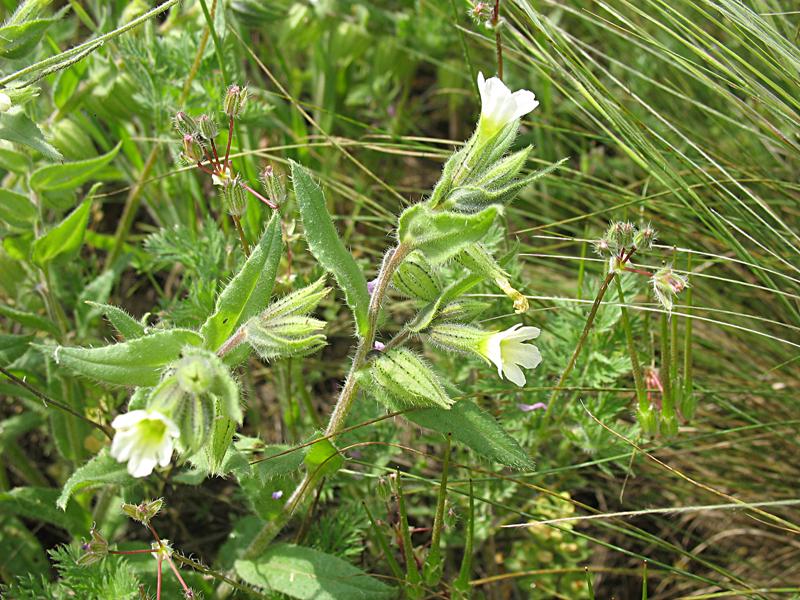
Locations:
(684, 114)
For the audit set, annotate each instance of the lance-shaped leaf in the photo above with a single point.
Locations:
(39, 504)
(406, 378)
(248, 292)
(102, 469)
(19, 39)
(16, 210)
(137, 362)
(440, 235)
(475, 428)
(65, 238)
(16, 127)
(68, 176)
(126, 325)
(307, 574)
(327, 247)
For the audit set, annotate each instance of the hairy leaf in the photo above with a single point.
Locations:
(16, 127)
(475, 428)
(249, 291)
(102, 469)
(307, 574)
(126, 325)
(440, 235)
(327, 247)
(68, 176)
(134, 363)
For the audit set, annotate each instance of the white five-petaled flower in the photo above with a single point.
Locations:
(499, 106)
(144, 438)
(508, 352)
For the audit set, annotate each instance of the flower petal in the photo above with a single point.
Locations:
(128, 419)
(523, 333)
(524, 101)
(514, 374)
(525, 355)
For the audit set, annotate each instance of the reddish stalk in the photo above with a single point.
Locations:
(266, 201)
(228, 148)
(189, 593)
(143, 551)
(214, 150)
(159, 577)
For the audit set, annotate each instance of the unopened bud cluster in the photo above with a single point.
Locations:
(667, 284)
(235, 100)
(145, 511)
(623, 238)
(95, 550)
(284, 329)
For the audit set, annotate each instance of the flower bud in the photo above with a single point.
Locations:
(478, 260)
(95, 550)
(283, 330)
(406, 378)
(235, 99)
(460, 311)
(274, 184)
(192, 150)
(185, 124)
(207, 127)
(621, 234)
(648, 420)
(667, 284)
(234, 198)
(644, 237)
(416, 278)
(145, 511)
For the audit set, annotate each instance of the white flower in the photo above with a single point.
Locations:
(499, 106)
(5, 102)
(143, 438)
(507, 351)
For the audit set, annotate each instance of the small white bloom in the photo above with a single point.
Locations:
(5, 102)
(508, 352)
(144, 438)
(499, 106)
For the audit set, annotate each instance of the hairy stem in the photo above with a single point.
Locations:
(242, 238)
(344, 403)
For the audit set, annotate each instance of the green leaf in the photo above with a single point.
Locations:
(18, 128)
(70, 175)
(440, 235)
(16, 210)
(323, 459)
(428, 313)
(277, 466)
(307, 574)
(137, 362)
(221, 441)
(39, 504)
(19, 39)
(327, 247)
(63, 239)
(12, 347)
(475, 428)
(28, 319)
(128, 327)
(249, 291)
(102, 469)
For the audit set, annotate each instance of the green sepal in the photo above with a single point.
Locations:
(416, 278)
(408, 379)
(440, 235)
(137, 362)
(327, 247)
(249, 291)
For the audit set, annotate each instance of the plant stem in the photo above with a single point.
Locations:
(49, 401)
(641, 390)
(498, 38)
(581, 341)
(266, 201)
(242, 239)
(434, 562)
(344, 403)
(667, 403)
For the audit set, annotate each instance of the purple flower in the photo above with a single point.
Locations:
(379, 346)
(371, 285)
(277, 495)
(530, 407)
